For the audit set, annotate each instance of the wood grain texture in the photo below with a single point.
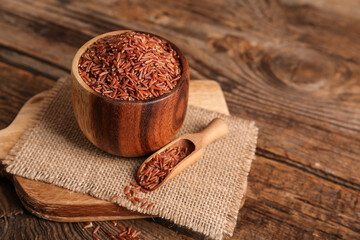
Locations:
(61, 205)
(292, 66)
(194, 143)
(129, 128)
(9, 202)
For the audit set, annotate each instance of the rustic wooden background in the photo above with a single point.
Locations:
(293, 66)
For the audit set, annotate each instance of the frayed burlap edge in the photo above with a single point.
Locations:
(51, 93)
(230, 220)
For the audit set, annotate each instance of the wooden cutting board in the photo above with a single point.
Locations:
(58, 204)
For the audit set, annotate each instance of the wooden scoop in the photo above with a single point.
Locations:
(195, 143)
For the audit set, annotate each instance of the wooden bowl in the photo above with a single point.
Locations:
(129, 128)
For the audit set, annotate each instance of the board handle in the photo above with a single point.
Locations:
(217, 128)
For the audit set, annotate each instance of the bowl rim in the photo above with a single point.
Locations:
(84, 47)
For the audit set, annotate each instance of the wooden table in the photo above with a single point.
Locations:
(292, 66)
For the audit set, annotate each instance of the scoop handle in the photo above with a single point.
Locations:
(217, 128)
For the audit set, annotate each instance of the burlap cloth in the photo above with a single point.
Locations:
(205, 197)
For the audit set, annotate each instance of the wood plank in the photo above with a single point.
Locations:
(30, 227)
(29, 63)
(304, 205)
(9, 202)
(16, 87)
